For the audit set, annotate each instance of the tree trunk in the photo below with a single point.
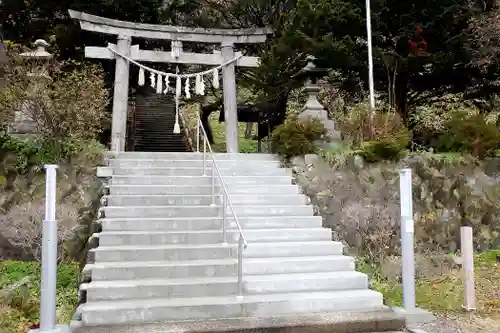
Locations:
(401, 96)
(248, 130)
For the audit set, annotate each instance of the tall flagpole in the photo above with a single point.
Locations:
(370, 55)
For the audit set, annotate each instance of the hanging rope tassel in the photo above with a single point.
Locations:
(202, 86)
(178, 87)
(152, 77)
(141, 76)
(215, 78)
(197, 86)
(159, 85)
(167, 88)
(177, 128)
(186, 89)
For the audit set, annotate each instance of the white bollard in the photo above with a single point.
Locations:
(467, 249)
(49, 254)
(407, 242)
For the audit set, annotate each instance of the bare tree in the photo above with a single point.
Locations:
(22, 227)
(485, 38)
(69, 102)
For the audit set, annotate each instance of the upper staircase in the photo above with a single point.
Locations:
(162, 265)
(154, 119)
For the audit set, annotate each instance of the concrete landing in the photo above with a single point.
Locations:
(338, 322)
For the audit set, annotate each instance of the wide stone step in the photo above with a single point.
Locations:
(200, 180)
(157, 148)
(195, 156)
(206, 211)
(164, 118)
(153, 129)
(158, 136)
(223, 286)
(161, 141)
(131, 270)
(378, 321)
(179, 163)
(201, 190)
(267, 305)
(148, 131)
(205, 200)
(198, 171)
(160, 145)
(214, 251)
(118, 238)
(209, 223)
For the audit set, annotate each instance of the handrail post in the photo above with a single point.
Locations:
(213, 185)
(467, 249)
(198, 124)
(204, 155)
(407, 241)
(240, 267)
(224, 218)
(226, 203)
(49, 253)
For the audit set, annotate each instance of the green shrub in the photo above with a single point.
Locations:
(468, 133)
(383, 149)
(375, 136)
(20, 155)
(428, 119)
(296, 138)
(361, 125)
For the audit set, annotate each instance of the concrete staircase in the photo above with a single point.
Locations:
(154, 124)
(160, 265)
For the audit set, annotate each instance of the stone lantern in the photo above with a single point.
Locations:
(23, 123)
(313, 108)
(39, 55)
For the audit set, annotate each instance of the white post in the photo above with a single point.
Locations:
(120, 95)
(467, 249)
(213, 184)
(198, 124)
(49, 254)
(370, 55)
(224, 217)
(204, 156)
(229, 90)
(407, 247)
(240, 266)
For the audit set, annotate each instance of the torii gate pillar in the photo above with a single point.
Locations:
(120, 95)
(229, 90)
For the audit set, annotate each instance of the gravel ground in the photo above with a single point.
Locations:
(441, 325)
(460, 324)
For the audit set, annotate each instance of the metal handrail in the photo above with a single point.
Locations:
(242, 243)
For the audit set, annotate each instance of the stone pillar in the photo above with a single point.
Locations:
(314, 109)
(229, 89)
(120, 96)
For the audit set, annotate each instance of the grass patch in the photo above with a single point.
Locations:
(446, 159)
(336, 157)
(443, 294)
(20, 311)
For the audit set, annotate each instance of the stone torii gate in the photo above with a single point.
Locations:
(124, 31)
